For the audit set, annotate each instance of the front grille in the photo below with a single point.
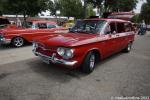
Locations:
(44, 51)
(47, 52)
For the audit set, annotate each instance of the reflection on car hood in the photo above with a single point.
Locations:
(67, 40)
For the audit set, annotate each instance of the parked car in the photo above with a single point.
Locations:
(33, 29)
(83, 46)
(69, 24)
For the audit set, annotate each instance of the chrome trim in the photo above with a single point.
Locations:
(53, 59)
(5, 41)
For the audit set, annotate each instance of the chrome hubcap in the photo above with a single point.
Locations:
(92, 61)
(18, 41)
(129, 47)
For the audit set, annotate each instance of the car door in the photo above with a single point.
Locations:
(120, 36)
(108, 39)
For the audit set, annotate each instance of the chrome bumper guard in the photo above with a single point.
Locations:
(55, 60)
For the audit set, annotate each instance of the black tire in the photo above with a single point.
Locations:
(128, 48)
(18, 42)
(88, 66)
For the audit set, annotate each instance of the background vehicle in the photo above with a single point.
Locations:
(33, 29)
(87, 43)
(69, 24)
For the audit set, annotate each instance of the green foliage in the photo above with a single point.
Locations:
(71, 8)
(136, 19)
(90, 11)
(145, 12)
(113, 5)
(120, 5)
(25, 7)
(53, 7)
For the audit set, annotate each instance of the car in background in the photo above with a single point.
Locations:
(69, 24)
(87, 43)
(32, 29)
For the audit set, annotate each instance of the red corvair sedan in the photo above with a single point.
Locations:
(86, 43)
(33, 29)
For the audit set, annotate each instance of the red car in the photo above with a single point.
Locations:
(33, 29)
(86, 43)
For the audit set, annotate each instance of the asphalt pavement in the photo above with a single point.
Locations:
(25, 77)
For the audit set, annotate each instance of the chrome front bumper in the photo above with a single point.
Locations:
(5, 41)
(54, 60)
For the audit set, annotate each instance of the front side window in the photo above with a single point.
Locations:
(110, 28)
(120, 27)
(89, 26)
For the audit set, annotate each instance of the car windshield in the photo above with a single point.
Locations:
(88, 26)
(4, 21)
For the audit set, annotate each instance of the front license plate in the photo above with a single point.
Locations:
(44, 59)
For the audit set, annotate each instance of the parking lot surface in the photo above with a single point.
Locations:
(25, 77)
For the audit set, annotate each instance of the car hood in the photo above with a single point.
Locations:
(68, 39)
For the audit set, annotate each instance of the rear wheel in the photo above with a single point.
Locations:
(89, 63)
(18, 42)
(128, 48)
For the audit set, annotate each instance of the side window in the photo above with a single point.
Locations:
(110, 29)
(42, 25)
(120, 27)
(51, 26)
(128, 27)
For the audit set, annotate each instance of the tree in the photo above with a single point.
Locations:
(53, 7)
(24, 7)
(71, 8)
(136, 18)
(145, 12)
(120, 5)
(97, 4)
(89, 11)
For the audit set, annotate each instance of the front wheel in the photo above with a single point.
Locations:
(18, 42)
(89, 63)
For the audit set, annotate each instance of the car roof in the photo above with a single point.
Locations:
(109, 19)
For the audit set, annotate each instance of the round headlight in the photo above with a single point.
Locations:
(61, 51)
(69, 53)
(65, 52)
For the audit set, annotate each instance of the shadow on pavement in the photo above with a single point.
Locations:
(8, 47)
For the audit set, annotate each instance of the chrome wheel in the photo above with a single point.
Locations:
(92, 61)
(129, 46)
(18, 42)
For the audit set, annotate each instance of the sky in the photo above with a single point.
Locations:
(138, 8)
